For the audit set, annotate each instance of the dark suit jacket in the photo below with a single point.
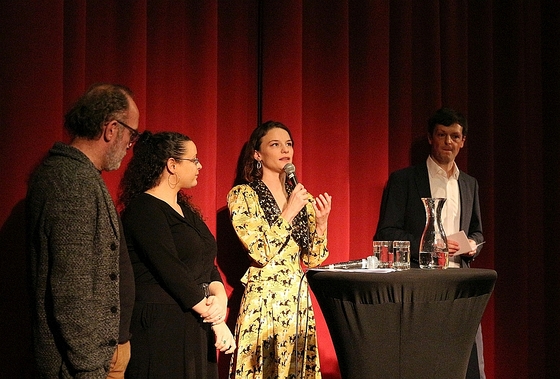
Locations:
(402, 214)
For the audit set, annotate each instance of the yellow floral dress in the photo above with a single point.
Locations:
(276, 316)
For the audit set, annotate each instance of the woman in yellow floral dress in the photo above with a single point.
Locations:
(281, 225)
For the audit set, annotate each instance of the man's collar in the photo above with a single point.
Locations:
(434, 169)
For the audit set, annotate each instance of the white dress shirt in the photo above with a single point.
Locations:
(447, 187)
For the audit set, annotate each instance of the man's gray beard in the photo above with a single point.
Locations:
(114, 156)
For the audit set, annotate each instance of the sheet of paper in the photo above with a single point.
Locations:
(461, 238)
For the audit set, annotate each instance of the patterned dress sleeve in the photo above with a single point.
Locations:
(318, 251)
(263, 241)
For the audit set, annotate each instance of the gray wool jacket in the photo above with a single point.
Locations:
(73, 244)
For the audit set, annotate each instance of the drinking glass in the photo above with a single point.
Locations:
(401, 255)
(384, 253)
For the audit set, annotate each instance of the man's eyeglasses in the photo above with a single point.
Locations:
(196, 161)
(134, 135)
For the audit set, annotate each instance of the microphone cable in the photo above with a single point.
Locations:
(298, 304)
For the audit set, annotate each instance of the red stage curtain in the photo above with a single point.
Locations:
(355, 81)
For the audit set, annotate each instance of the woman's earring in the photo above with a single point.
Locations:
(259, 165)
(173, 185)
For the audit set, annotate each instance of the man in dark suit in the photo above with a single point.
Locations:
(403, 216)
(80, 273)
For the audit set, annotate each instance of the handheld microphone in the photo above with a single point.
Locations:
(358, 263)
(290, 171)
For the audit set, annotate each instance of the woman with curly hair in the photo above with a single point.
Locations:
(181, 303)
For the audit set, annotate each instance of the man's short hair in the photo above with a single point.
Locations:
(447, 117)
(101, 103)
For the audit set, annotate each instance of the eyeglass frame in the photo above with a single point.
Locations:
(196, 161)
(134, 134)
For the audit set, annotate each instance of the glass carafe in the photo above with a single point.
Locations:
(433, 253)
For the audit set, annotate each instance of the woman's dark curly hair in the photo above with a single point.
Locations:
(249, 165)
(100, 104)
(145, 169)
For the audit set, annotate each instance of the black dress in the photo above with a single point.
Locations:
(172, 257)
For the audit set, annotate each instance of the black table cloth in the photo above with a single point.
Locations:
(414, 324)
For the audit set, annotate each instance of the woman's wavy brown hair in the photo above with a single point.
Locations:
(249, 164)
